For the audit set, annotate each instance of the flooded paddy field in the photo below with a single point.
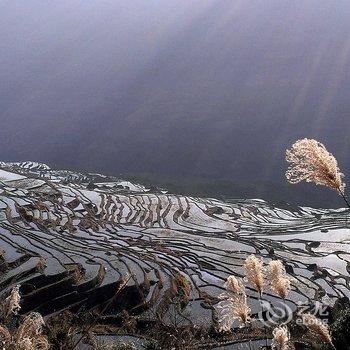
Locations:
(71, 239)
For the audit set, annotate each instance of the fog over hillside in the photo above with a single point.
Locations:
(213, 89)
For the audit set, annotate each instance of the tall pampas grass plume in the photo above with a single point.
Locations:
(241, 309)
(317, 328)
(233, 305)
(234, 285)
(310, 161)
(279, 281)
(281, 338)
(255, 272)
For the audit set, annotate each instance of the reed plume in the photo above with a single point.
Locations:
(234, 285)
(317, 327)
(281, 338)
(233, 305)
(241, 309)
(311, 162)
(254, 272)
(276, 269)
(38, 343)
(279, 281)
(281, 287)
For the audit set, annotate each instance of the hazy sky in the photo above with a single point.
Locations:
(189, 88)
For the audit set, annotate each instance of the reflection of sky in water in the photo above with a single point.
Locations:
(153, 236)
(187, 88)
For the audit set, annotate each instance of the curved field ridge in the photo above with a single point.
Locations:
(68, 238)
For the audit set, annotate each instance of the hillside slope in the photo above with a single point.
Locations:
(68, 239)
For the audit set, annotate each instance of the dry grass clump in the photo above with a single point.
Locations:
(28, 336)
(281, 338)
(254, 272)
(279, 282)
(62, 329)
(317, 328)
(311, 162)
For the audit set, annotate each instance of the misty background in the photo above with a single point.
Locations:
(201, 96)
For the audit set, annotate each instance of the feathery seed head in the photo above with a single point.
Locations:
(311, 162)
(281, 338)
(317, 327)
(276, 269)
(42, 343)
(41, 264)
(234, 285)
(254, 272)
(232, 307)
(281, 286)
(241, 309)
(280, 283)
(225, 313)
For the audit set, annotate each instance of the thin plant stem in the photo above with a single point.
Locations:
(250, 341)
(265, 327)
(345, 198)
(346, 201)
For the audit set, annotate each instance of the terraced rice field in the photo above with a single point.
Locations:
(68, 239)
